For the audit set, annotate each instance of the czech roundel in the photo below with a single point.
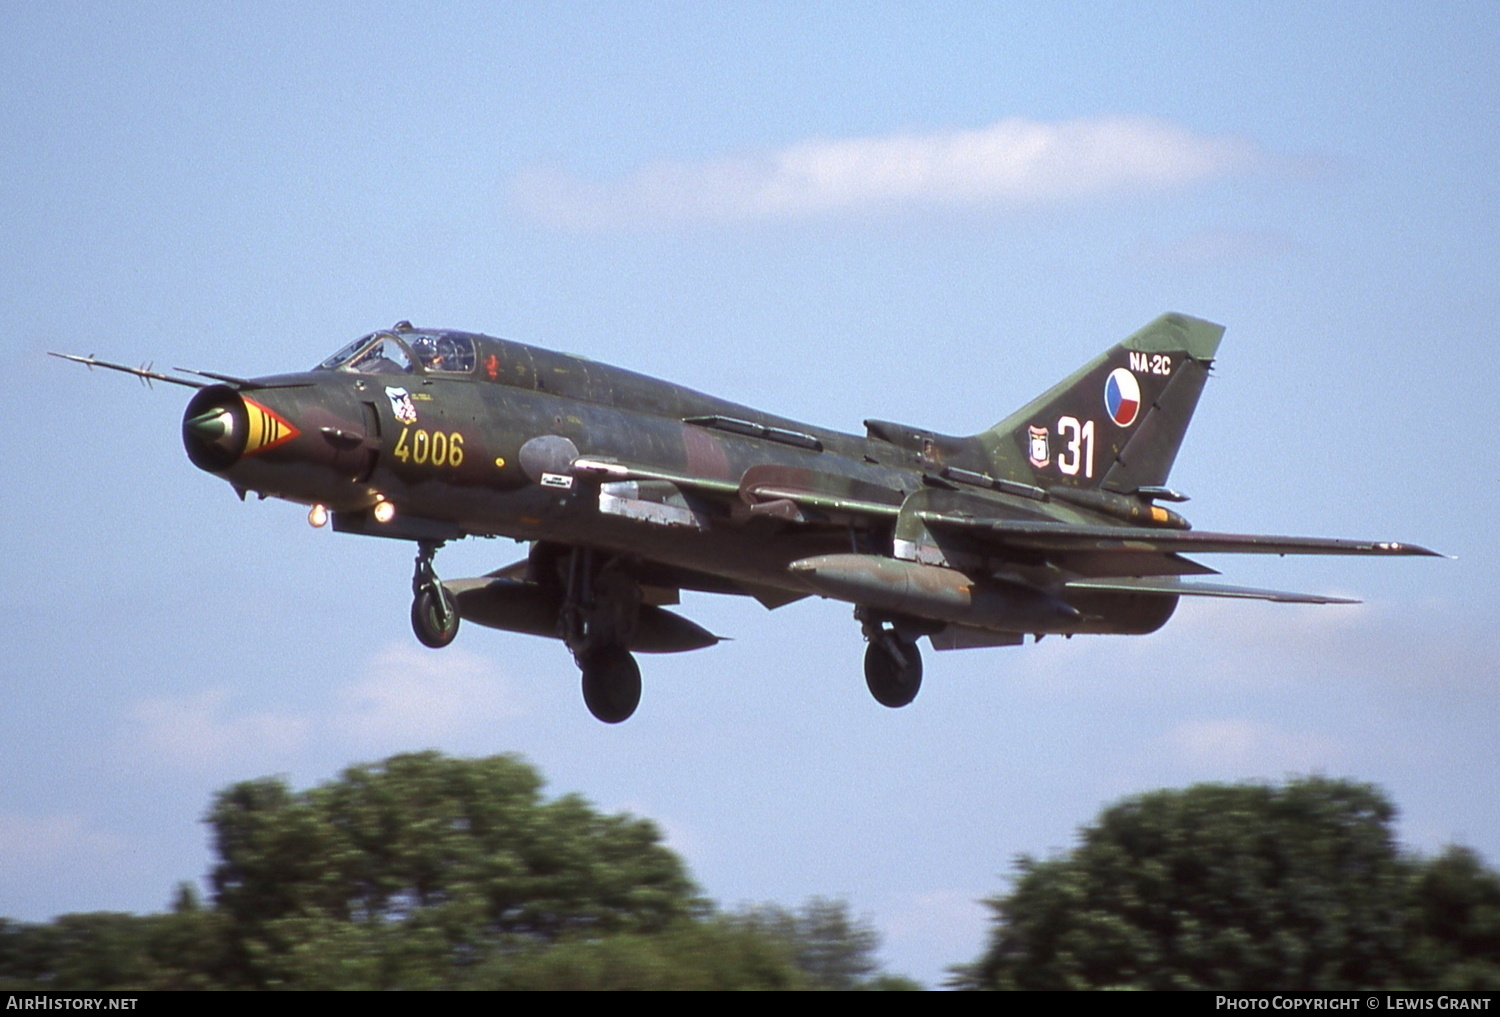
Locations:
(1122, 397)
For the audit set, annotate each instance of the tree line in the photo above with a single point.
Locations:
(1245, 887)
(426, 872)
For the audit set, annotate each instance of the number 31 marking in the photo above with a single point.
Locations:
(1080, 446)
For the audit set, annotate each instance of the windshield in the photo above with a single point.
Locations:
(383, 353)
(371, 354)
(342, 356)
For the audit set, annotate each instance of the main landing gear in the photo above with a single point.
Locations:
(611, 683)
(434, 616)
(893, 663)
(601, 608)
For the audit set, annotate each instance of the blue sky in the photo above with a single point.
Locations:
(833, 211)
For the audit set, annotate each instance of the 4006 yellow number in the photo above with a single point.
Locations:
(439, 448)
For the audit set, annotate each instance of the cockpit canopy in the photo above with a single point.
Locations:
(405, 351)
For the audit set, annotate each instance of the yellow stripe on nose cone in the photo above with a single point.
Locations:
(265, 428)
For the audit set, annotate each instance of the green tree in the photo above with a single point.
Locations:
(831, 948)
(183, 949)
(1239, 887)
(1457, 935)
(710, 953)
(409, 871)
(429, 872)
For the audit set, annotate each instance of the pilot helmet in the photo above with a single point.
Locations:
(428, 351)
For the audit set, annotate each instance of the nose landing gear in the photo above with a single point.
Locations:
(434, 616)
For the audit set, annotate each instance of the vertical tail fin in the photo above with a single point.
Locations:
(1115, 423)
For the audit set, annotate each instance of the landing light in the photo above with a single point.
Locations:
(317, 516)
(384, 512)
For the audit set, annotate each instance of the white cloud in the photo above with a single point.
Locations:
(52, 841)
(930, 930)
(418, 694)
(1014, 162)
(1376, 645)
(1241, 745)
(936, 910)
(1237, 645)
(196, 730)
(681, 837)
(405, 697)
(1215, 247)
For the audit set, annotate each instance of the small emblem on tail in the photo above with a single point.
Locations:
(1040, 454)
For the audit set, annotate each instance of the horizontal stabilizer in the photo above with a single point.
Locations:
(1175, 587)
(1053, 536)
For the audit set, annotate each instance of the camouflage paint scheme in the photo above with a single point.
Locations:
(630, 489)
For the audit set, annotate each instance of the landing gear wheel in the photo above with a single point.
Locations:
(893, 670)
(434, 617)
(611, 683)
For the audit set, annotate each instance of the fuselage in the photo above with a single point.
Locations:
(630, 489)
(447, 446)
(486, 442)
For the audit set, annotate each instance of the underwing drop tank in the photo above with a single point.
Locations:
(516, 606)
(929, 591)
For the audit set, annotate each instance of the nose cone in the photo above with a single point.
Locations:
(215, 426)
(222, 426)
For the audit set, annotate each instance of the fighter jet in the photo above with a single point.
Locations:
(629, 489)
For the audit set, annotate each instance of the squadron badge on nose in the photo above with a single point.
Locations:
(401, 405)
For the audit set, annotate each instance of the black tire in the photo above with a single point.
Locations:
(611, 684)
(427, 619)
(893, 671)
